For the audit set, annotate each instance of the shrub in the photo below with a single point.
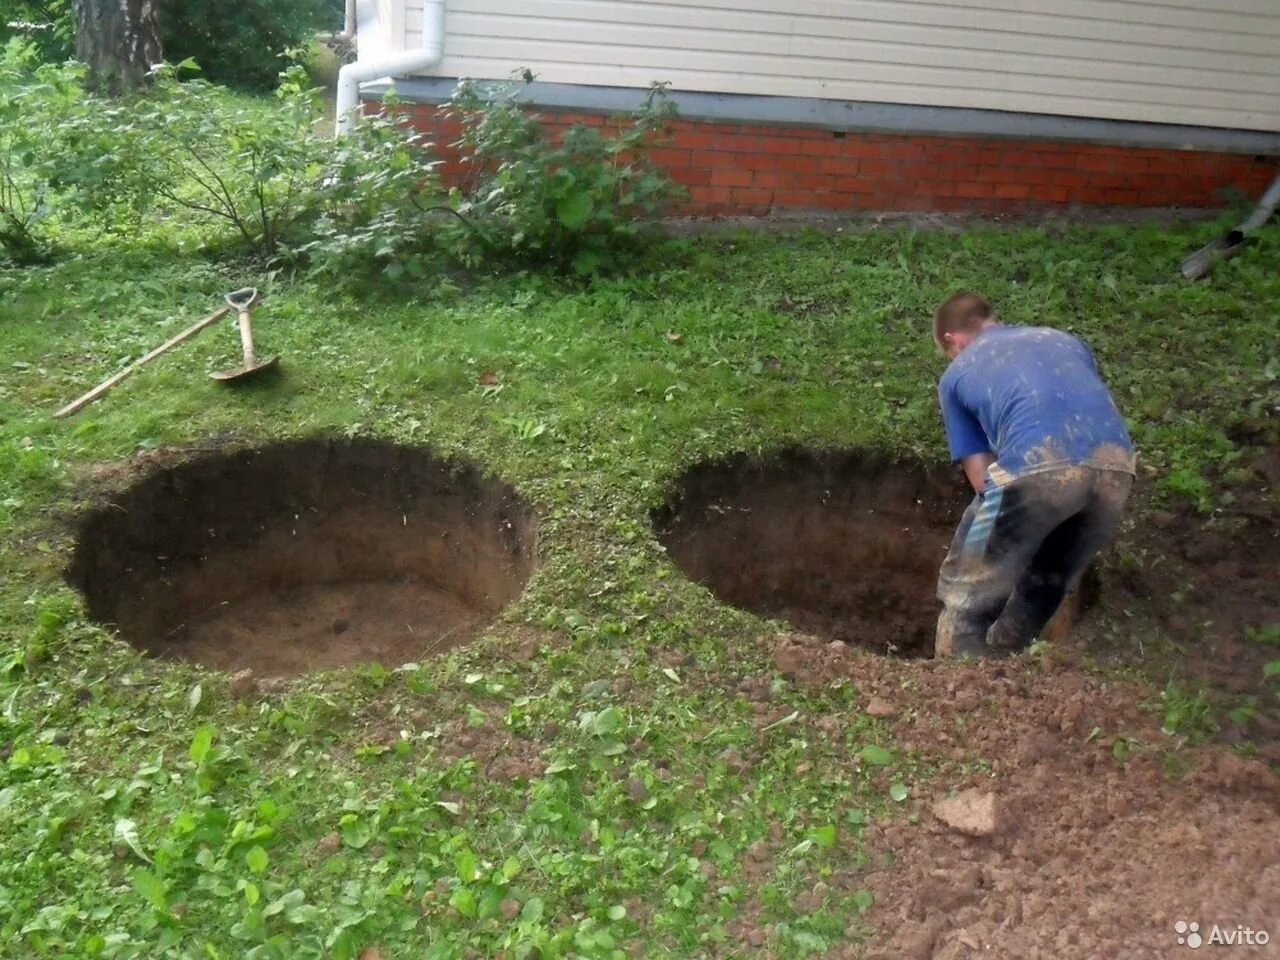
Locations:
(34, 100)
(49, 26)
(242, 43)
(264, 171)
(580, 202)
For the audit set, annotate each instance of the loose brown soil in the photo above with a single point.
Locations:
(841, 544)
(304, 555)
(1094, 850)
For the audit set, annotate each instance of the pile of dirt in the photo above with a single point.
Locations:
(304, 555)
(1082, 832)
(842, 544)
(1210, 585)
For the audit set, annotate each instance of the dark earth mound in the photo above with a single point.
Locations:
(304, 555)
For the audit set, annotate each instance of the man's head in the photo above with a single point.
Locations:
(959, 320)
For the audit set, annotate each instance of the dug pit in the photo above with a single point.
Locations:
(304, 555)
(845, 545)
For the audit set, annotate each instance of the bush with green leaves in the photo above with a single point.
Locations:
(243, 44)
(580, 202)
(34, 99)
(268, 174)
(48, 25)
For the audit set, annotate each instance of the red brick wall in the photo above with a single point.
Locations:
(753, 170)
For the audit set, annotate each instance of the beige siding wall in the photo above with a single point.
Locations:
(1204, 62)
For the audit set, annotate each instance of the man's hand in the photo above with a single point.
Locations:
(975, 469)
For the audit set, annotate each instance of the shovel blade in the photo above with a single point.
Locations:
(245, 373)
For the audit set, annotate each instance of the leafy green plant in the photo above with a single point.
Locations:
(379, 191)
(1186, 484)
(1188, 716)
(578, 202)
(1268, 634)
(47, 25)
(33, 99)
(243, 44)
(283, 187)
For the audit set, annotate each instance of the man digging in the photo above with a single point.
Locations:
(1045, 448)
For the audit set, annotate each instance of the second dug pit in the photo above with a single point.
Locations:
(842, 544)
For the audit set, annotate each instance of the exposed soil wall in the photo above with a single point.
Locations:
(303, 555)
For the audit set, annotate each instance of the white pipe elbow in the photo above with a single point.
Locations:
(390, 65)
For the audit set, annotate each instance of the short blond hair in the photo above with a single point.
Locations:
(961, 313)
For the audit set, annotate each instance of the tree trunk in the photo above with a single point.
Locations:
(118, 40)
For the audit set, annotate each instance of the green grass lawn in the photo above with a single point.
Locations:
(147, 812)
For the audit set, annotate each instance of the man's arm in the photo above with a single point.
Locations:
(975, 469)
(965, 437)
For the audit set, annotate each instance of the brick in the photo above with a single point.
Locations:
(840, 166)
(822, 148)
(862, 149)
(796, 199)
(1089, 161)
(1021, 158)
(1050, 193)
(691, 177)
(730, 177)
(1131, 164)
(737, 144)
(694, 140)
(1069, 178)
(671, 159)
(1013, 191)
(791, 133)
(752, 197)
(1036, 175)
(905, 151)
(753, 161)
(782, 145)
(859, 184)
(972, 189)
(877, 168)
(814, 181)
(913, 202)
(798, 164)
(710, 195)
(771, 179)
(1113, 181)
(918, 170)
(1123, 197)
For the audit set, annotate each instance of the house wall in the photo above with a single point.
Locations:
(1198, 62)
(985, 106)
(731, 169)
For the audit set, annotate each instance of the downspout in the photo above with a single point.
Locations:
(388, 65)
(1234, 241)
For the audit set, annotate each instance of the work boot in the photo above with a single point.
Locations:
(951, 645)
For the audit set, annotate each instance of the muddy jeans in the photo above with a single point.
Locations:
(1018, 551)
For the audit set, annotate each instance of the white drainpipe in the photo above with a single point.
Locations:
(349, 19)
(389, 65)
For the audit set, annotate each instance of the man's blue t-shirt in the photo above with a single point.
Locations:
(1032, 397)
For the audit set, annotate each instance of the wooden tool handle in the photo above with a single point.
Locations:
(165, 347)
(246, 340)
